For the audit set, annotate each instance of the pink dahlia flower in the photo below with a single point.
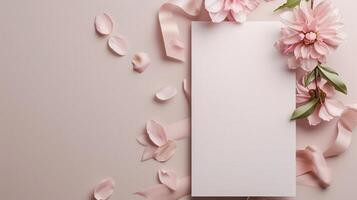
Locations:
(233, 10)
(327, 108)
(310, 34)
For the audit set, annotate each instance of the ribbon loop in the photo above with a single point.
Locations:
(169, 28)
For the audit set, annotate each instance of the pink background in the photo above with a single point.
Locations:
(70, 110)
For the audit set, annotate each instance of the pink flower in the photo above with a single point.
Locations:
(327, 108)
(310, 34)
(234, 10)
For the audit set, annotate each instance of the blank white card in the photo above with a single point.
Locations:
(243, 142)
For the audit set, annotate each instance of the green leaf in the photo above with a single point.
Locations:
(333, 79)
(305, 110)
(288, 4)
(329, 69)
(310, 77)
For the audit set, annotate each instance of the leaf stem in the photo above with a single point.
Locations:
(316, 83)
(312, 4)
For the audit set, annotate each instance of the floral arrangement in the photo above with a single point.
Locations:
(311, 34)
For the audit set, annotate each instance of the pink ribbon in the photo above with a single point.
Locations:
(312, 160)
(170, 32)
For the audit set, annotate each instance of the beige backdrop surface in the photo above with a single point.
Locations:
(70, 110)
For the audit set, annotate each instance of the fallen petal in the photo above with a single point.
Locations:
(165, 152)
(168, 178)
(104, 189)
(148, 153)
(156, 132)
(166, 93)
(118, 44)
(103, 24)
(140, 62)
(143, 139)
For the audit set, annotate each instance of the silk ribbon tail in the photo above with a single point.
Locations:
(170, 32)
(346, 124)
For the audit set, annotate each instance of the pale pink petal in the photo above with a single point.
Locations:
(166, 93)
(334, 107)
(168, 178)
(165, 152)
(156, 132)
(308, 64)
(140, 62)
(104, 189)
(219, 16)
(314, 118)
(301, 98)
(328, 89)
(321, 48)
(293, 63)
(103, 24)
(118, 44)
(214, 6)
(148, 153)
(240, 17)
(323, 114)
(144, 140)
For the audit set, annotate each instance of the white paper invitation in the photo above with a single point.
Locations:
(243, 142)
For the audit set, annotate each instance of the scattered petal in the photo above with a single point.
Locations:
(168, 178)
(156, 133)
(104, 189)
(103, 24)
(148, 153)
(165, 152)
(166, 93)
(140, 62)
(143, 139)
(118, 44)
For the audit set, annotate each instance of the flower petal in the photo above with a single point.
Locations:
(240, 17)
(140, 62)
(118, 44)
(104, 189)
(219, 16)
(103, 24)
(323, 114)
(314, 118)
(214, 6)
(148, 153)
(156, 132)
(166, 151)
(166, 93)
(334, 107)
(168, 178)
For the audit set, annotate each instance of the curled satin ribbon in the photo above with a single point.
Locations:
(170, 32)
(313, 160)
